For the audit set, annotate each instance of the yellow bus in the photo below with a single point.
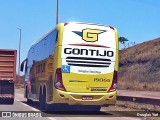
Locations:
(74, 64)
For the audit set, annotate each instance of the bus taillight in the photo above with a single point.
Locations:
(58, 80)
(111, 27)
(114, 83)
(65, 24)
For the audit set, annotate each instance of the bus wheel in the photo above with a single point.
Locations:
(46, 106)
(41, 99)
(29, 101)
(11, 101)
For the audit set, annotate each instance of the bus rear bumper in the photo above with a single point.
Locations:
(100, 99)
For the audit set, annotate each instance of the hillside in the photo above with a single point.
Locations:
(140, 66)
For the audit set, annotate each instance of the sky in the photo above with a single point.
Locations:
(137, 20)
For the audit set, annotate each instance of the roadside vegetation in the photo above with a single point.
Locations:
(140, 67)
(127, 108)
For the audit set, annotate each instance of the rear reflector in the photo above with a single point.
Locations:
(61, 95)
(111, 96)
(114, 83)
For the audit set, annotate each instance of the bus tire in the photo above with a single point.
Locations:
(41, 100)
(11, 101)
(46, 106)
(29, 101)
(7, 101)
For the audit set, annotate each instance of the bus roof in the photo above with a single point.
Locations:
(41, 38)
(45, 35)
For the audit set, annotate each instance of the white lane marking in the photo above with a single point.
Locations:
(51, 118)
(34, 109)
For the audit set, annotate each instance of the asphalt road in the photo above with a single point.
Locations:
(20, 109)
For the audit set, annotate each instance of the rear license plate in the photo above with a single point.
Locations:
(87, 97)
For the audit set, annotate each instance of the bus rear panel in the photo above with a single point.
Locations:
(87, 74)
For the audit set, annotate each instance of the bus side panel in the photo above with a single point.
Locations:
(57, 57)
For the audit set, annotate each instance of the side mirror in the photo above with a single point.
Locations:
(22, 66)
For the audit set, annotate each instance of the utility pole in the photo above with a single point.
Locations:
(19, 54)
(57, 13)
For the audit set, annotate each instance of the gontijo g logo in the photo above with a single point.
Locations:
(89, 35)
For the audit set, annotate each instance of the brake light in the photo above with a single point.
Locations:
(65, 24)
(58, 80)
(114, 83)
(111, 27)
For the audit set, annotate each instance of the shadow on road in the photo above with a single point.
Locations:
(67, 112)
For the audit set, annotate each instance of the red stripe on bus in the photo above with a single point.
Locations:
(92, 45)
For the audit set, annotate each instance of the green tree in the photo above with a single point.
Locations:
(123, 40)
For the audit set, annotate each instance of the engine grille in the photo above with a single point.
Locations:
(88, 62)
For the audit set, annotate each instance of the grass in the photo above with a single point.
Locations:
(132, 106)
(138, 106)
(140, 67)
